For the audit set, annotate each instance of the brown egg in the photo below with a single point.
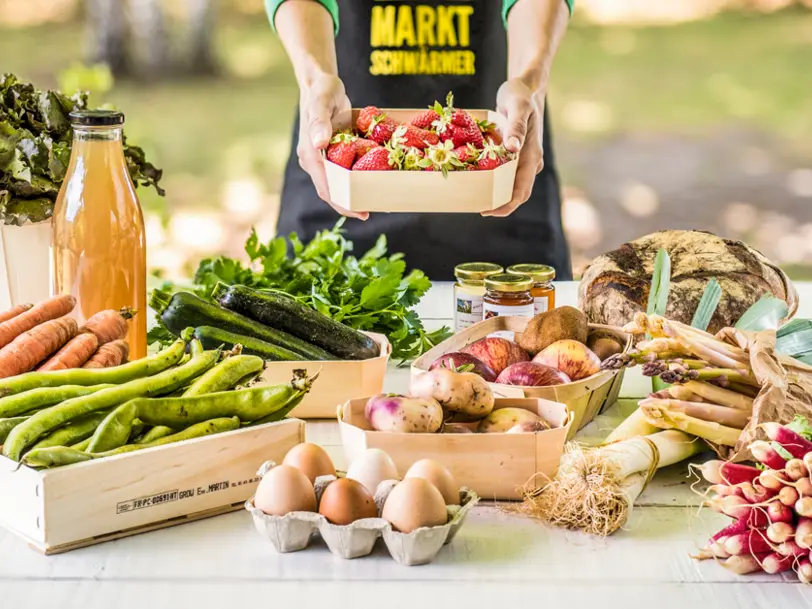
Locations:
(310, 459)
(439, 476)
(285, 489)
(414, 503)
(345, 501)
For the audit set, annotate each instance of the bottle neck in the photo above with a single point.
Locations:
(97, 134)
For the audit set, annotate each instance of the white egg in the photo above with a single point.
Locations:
(371, 468)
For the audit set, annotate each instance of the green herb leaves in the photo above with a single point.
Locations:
(35, 144)
(372, 293)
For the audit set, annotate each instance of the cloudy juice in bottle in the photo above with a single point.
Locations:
(98, 246)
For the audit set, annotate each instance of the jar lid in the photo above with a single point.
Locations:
(97, 118)
(505, 282)
(540, 273)
(476, 271)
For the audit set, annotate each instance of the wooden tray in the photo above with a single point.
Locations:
(88, 503)
(421, 191)
(494, 465)
(585, 398)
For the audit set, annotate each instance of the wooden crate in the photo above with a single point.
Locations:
(585, 398)
(88, 503)
(493, 465)
(421, 191)
(338, 380)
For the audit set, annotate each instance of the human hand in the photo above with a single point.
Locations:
(523, 134)
(319, 105)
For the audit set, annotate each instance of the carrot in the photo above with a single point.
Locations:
(108, 325)
(109, 355)
(72, 355)
(45, 311)
(30, 348)
(14, 312)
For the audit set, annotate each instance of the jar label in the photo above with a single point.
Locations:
(494, 310)
(467, 310)
(541, 305)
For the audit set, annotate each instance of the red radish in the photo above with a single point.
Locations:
(772, 479)
(803, 507)
(766, 455)
(808, 461)
(723, 490)
(804, 570)
(755, 493)
(740, 526)
(803, 533)
(779, 532)
(723, 472)
(742, 565)
(751, 542)
(788, 496)
(793, 442)
(714, 549)
(733, 506)
(791, 549)
(804, 487)
(777, 512)
(796, 469)
(776, 563)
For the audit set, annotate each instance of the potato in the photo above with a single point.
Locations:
(562, 323)
(457, 392)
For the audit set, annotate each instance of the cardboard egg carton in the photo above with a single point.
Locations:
(294, 531)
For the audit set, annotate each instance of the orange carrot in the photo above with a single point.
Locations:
(14, 312)
(30, 348)
(108, 325)
(74, 354)
(109, 355)
(45, 311)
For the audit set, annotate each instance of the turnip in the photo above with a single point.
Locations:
(398, 413)
(504, 419)
(457, 392)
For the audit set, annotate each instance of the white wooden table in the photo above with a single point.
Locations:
(496, 561)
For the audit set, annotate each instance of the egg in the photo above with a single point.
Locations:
(310, 459)
(372, 467)
(345, 500)
(414, 503)
(439, 476)
(285, 489)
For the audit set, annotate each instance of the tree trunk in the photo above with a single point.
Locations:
(107, 38)
(149, 33)
(201, 37)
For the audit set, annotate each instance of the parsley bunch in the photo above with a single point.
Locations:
(371, 293)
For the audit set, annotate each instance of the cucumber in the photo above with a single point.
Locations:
(181, 310)
(289, 315)
(250, 345)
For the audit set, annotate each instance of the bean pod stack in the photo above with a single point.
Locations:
(772, 507)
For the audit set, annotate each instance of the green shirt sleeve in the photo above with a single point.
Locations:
(509, 4)
(271, 6)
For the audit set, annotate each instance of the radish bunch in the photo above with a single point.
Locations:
(772, 507)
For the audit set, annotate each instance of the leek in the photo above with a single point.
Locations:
(660, 284)
(765, 314)
(707, 305)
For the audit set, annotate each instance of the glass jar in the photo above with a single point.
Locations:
(507, 295)
(543, 290)
(98, 248)
(469, 292)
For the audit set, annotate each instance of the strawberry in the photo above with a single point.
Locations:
(363, 146)
(492, 156)
(412, 158)
(341, 150)
(467, 153)
(412, 137)
(441, 157)
(376, 159)
(365, 117)
(425, 119)
(381, 129)
(490, 131)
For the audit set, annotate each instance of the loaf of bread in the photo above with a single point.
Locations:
(616, 285)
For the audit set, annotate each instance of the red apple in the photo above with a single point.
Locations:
(496, 353)
(530, 374)
(456, 360)
(570, 357)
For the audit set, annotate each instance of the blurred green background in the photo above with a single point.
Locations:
(675, 114)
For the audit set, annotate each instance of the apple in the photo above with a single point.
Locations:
(570, 357)
(531, 374)
(497, 353)
(456, 360)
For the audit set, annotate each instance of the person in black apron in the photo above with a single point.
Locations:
(375, 49)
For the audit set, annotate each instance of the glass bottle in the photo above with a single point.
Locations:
(469, 292)
(543, 290)
(507, 295)
(98, 249)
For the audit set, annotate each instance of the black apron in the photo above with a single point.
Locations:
(379, 46)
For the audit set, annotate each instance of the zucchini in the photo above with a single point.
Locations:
(250, 345)
(181, 310)
(289, 315)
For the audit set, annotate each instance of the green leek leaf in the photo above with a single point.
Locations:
(765, 314)
(707, 306)
(660, 284)
(796, 344)
(796, 325)
(805, 359)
